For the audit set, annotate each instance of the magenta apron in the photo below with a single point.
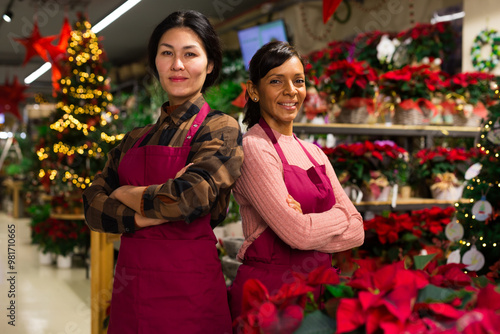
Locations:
(168, 278)
(268, 258)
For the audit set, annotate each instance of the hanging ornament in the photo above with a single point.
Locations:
(454, 231)
(57, 51)
(474, 259)
(329, 7)
(35, 44)
(10, 97)
(482, 209)
(473, 171)
(454, 257)
(494, 134)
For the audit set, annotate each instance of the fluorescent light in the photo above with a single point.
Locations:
(38, 73)
(114, 15)
(98, 27)
(445, 18)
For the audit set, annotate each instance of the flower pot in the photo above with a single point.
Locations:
(64, 261)
(357, 115)
(412, 116)
(45, 258)
(405, 192)
(452, 193)
(383, 196)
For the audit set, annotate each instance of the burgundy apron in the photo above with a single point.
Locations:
(268, 258)
(168, 278)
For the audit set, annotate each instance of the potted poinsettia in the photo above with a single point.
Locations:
(369, 166)
(377, 48)
(444, 169)
(391, 236)
(425, 40)
(407, 90)
(467, 95)
(352, 85)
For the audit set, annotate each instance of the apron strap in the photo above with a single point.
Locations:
(137, 143)
(200, 117)
(270, 134)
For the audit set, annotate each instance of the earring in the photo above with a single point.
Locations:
(255, 99)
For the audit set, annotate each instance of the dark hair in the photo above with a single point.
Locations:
(198, 23)
(269, 56)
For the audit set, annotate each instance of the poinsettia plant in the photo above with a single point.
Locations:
(368, 48)
(356, 162)
(427, 40)
(410, 83)
(430, 162)
(471, 87)
(345, 79)
(414, 296)
(317, 61)
(391, 236)
(61, 236)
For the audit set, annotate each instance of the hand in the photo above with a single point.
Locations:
(141, 221)
(183, 170)
(293, 204)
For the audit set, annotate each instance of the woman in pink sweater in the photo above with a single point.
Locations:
(293, 208)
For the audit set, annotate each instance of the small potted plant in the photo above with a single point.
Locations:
(444, 170)
(407, 89)
(468, 94)
(369, 166)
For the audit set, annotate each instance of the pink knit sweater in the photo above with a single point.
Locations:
(261, 194)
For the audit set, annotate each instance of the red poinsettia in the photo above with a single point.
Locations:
(411, 83)
(439, 160)
(346, 79)
(360, 158)
(471, 87)
(282, 312)
(427, 40)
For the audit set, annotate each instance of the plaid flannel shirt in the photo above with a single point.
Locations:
(216, 154)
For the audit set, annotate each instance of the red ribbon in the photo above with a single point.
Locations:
(329, 7)
(357, 102)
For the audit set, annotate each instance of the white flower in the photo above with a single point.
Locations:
(438, 61)
(425, 60)
(385, 49)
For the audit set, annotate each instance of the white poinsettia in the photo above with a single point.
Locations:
(385, 49)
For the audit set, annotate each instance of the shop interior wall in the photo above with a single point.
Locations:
(479, 15)
(305, 24)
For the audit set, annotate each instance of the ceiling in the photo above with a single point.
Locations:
(124, 41)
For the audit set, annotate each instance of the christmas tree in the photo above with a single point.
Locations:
(478, 235)
(75, 146)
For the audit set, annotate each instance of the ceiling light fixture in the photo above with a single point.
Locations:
(126, 6)
(7, 16)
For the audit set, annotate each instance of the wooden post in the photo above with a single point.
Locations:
(101, 278)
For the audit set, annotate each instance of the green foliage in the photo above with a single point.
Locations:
(220, 97)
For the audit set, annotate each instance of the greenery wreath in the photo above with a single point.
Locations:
(483, 38)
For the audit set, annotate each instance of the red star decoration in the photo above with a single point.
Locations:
(56, 51)
(10, 97)
(35, 44)
(329, 7)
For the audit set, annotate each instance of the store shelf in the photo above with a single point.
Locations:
(403, 204)
(389, 130)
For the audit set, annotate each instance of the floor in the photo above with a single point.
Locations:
(47, 300)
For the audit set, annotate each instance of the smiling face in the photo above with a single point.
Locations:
(182, 64)
(280, 94)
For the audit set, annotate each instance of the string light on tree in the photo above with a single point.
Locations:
(78, 139)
